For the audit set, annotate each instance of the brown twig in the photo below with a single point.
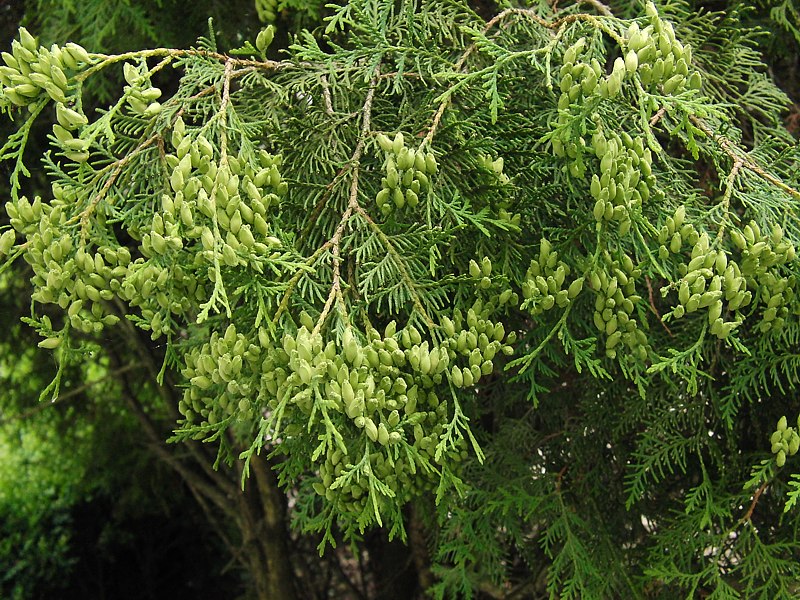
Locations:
(119, 165)
(223, 109)
(560, 478)
(737, 154)
(169, 401)
(336, 290)
(108, 60)
(326, 96)
(599, 6)
(726, 198)
(746, 517)
(657, 117)
(352, 204)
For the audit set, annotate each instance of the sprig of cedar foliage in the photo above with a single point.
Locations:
(590, 464)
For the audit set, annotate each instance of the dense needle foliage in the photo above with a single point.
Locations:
(528, 283)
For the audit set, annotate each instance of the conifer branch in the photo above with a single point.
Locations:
(107, 60)
(531, 14)
(352, 204)
(223, 110)
(737, 154)
(118, 169)
(585, 344)
(400, 262)
(726, 198)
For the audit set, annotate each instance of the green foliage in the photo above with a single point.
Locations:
(538, 271)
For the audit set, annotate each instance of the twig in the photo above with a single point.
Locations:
(726, 198)
(657, 117)
(223, 109)
(746, 517)
(326, 96)
(108, 59)
(166, 392)
(560, 478)
(437, 117)
(352, 204)
(736, 154)
(599, 6)
(87, 212)
(208, 489)
(335, 291)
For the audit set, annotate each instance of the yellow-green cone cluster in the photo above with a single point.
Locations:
(267, 10)
(625, 178)
(763, 255)
(215, 209)
(652, 57)
(662, 62)
(223, 204)
(785, 441)
(383, 398)
(407, 174)
(614, 282)
(712, 280)
(543, 287)
(78, 280)
(31, 71)
(141, 96)
(478, 340)
(220, 376)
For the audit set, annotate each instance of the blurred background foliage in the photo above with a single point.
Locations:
(85, 509)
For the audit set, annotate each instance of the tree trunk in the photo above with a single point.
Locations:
(258, 512)
(273, 534)
(419, 548)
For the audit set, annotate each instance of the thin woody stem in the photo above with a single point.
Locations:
(739, 156)
(118, 166)
(108, 60)
(352, 203)
(726, 198)
(223, 109)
